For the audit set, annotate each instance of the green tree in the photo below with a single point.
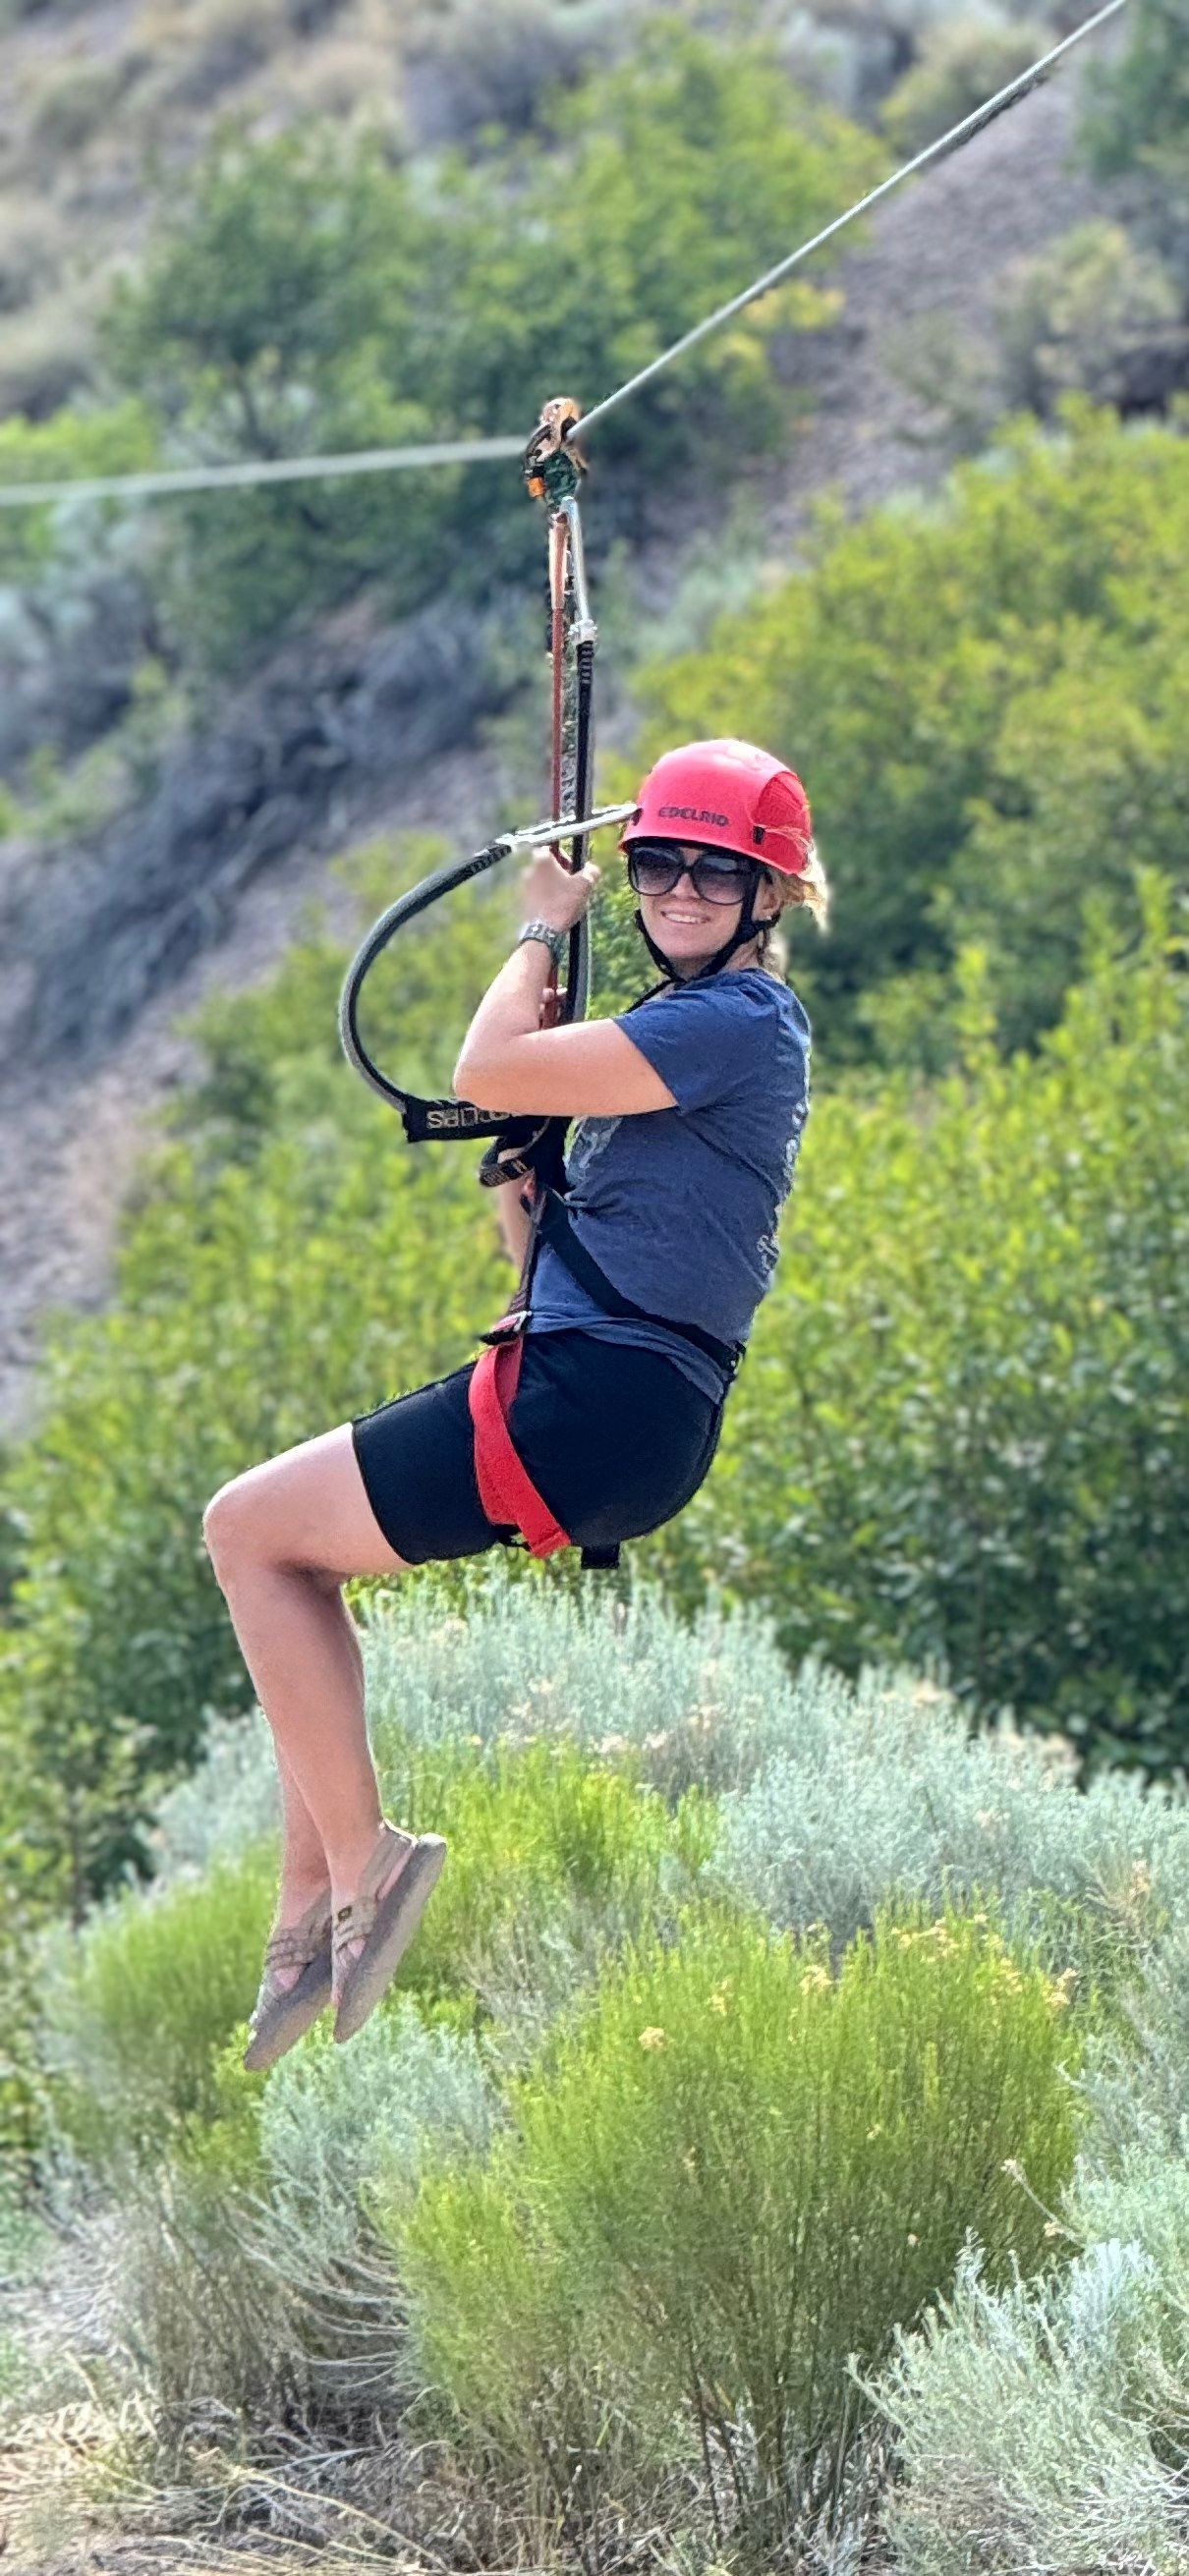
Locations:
(1135, 123)
(265, 324)
(960, 1433)
(119, 439)
(984, 693)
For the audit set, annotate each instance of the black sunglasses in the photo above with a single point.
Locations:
(655, 867)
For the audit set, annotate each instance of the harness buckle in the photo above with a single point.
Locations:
(507, 1328)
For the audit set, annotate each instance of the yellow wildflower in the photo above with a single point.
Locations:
(653, 2038)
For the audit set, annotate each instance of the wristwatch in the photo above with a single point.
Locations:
(556, 941)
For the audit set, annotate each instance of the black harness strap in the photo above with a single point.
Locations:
(551, 1224)
(556, 1230)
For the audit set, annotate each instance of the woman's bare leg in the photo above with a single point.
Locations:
(304, 1869)
(282, 1539)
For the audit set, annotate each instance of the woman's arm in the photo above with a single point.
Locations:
(508, 1061)
(514, 1222)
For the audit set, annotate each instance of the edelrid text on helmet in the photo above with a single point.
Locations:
(692, 814)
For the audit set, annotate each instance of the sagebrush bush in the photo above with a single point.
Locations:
(140, 2003)
(231, 1800)
(732, 2173)
(837, 1793)
(498, 1659)
(694, 1699)
(886, 1791)
(1042, 2425)
(333, 2119)
(1137, 2075)
(248, 2275)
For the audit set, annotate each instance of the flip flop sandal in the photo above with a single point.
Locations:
(387, 1923)
(283, 2013)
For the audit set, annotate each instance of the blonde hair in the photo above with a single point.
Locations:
(810, 892)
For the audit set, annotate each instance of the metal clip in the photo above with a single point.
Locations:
(552, 464)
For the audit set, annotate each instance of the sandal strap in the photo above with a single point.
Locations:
(293, 1949)
(294, 1945)
(354, 1921)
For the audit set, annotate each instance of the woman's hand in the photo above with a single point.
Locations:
(556, 894)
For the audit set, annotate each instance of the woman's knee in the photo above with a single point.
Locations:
(230, 1525)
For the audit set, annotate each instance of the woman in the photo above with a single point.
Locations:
(692, 1107)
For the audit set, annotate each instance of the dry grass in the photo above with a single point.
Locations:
(225, 45)
(76, 100)
(91, 2484)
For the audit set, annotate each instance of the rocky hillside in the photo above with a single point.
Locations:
(101, 953)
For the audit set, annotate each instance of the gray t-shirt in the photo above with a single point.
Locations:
(679, 1206)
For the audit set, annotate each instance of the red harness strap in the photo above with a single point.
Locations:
(506, 1490)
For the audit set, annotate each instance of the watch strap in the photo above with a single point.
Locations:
(556, 941)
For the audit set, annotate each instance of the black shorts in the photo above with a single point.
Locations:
(616, 1440)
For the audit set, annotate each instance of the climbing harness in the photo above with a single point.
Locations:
(506, 1490)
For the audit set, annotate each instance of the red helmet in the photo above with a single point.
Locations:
(731, 795)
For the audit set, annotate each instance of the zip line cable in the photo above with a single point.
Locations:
(282, 469)
(385, 460)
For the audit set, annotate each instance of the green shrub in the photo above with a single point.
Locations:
(119, 1641)
(962, 62)
(534, 1827)
(1137, 2075)
(332, 2120)
(244, 2272)
(119, 438)
(735, 2172)
(144, 2003)
(140, 2005)
(304, 293)
(1135, 125)
(1082, 314)
(498, 1659)
(838, 1793)
(885, 1792)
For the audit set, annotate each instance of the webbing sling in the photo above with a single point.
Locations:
(506, 1490)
